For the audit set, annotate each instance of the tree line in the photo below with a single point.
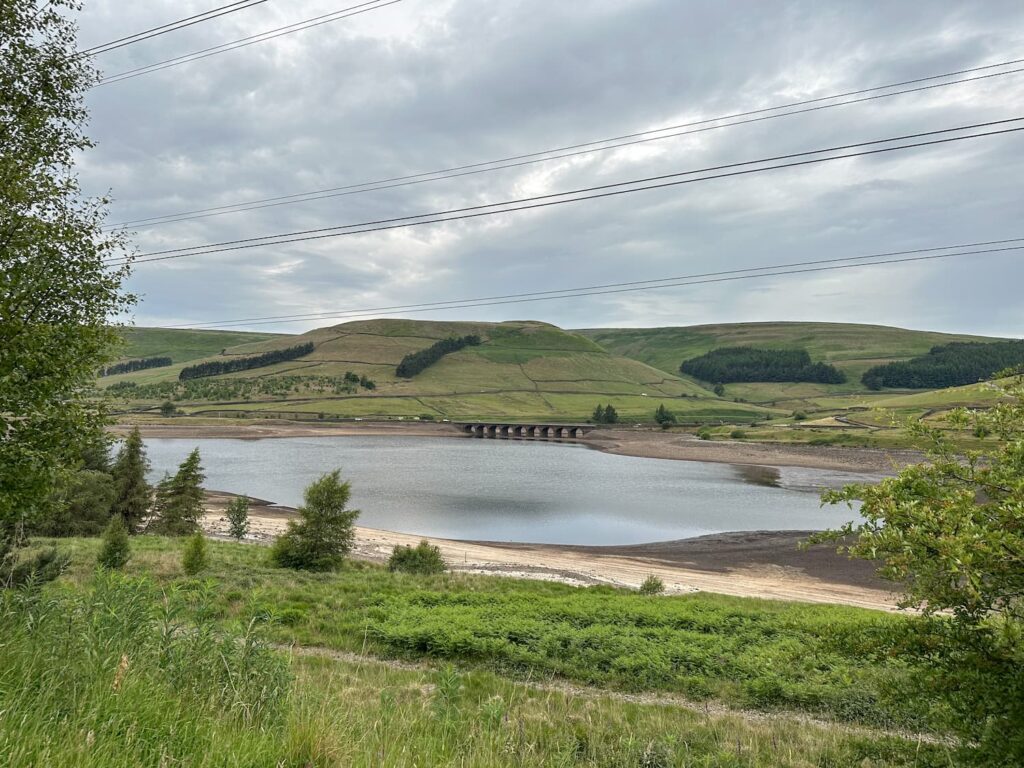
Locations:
(235, 364)
(947, 365)
(129, 366)
(417, 362)
(745, 364)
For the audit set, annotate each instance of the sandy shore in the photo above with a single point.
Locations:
(644, 443)
(764, 564)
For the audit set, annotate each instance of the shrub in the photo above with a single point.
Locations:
(422, 559)
(737, 434)
(114, 552)
(652, 586)
(196, 557)
(799, 415)
(704, 433)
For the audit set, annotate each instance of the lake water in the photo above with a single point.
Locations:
(508, 490)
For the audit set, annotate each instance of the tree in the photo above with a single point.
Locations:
(167, 408)
(598, 415)
(238, 517)
(196, 557)
(951, 533)
(179, 502)
(611, 416)
(325, 533)
(115, 551)
(132, 492)
(652, 585)
(664, 416)
(58, 293)
(82, 506)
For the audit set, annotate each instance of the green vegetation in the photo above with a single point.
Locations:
(93, 676)
(130, 366)
(131, 491)
(58, 287)
(183, 346)
(950, 365)
(652, 585)
(605, 414)
(196, 557)
(237, 364)
(734, 364)
(520, 370)
(324, 535)
(178, 506)
(951, 532)
(417, 362)
(115, 552)
(424, 559)
(237, 514)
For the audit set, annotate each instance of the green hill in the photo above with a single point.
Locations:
(522, 370)
(852, 348)
(184, 345)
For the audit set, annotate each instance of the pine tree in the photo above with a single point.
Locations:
(598, 416)
(325, 534)
(179, 502)
(611, 416)
(238, 518)
(115, 550)
(132, 492)
(196, 557)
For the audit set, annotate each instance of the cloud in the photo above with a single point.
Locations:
(422, 85)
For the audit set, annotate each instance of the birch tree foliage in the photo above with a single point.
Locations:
(58, 297)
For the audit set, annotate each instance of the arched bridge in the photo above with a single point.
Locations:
(535, 431)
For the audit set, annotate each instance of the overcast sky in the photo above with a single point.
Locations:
(423, 85)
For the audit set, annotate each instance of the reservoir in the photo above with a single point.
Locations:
(510, 490)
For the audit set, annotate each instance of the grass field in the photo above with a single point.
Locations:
(184, 345)
(158, 668)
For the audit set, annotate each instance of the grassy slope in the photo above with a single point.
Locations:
(496, 708)
(852, 348)
(524, 370)
(184, 345)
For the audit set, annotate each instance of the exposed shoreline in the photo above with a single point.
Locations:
(762, 564)
(640, 443)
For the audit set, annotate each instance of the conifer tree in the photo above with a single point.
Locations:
(179, 503)
(114, 552)
(132, 492)
(598, 416)
(611, 416)
(196, 557)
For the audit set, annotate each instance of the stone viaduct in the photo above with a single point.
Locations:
(534, 431)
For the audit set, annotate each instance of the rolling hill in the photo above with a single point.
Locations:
(521, 370)
(852, 348)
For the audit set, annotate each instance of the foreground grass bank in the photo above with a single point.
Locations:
(117, 672)
(828, 661)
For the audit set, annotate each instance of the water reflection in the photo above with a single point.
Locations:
(767, 477)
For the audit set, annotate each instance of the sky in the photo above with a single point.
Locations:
(417, 86)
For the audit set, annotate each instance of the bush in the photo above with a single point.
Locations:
(114, 552)
(704, 433)
(422, 559)
(652, 586)
(799, 416)
(196, 557)
(737, 434)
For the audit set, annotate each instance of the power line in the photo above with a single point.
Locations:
(560, 293)
(174, 26)
(573, 150)
(600, 191)
(244, 42)
(724, 277)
